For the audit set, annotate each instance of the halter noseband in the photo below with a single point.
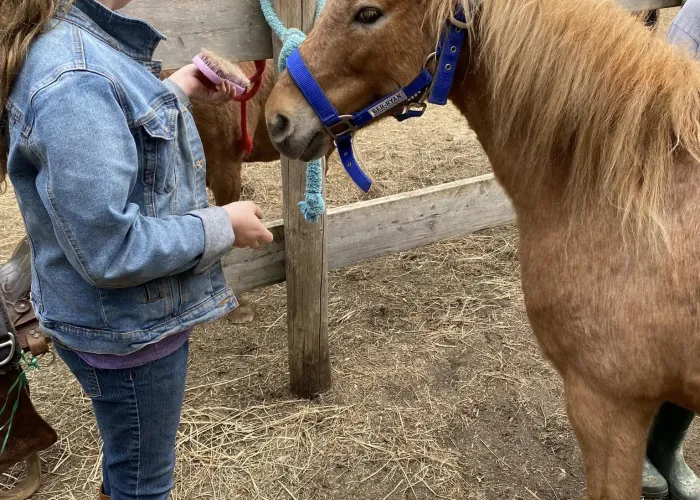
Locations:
(342, 128)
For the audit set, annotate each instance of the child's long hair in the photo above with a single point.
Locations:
(21, 21)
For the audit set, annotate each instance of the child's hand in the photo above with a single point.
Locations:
(247, 227)
(196, 85)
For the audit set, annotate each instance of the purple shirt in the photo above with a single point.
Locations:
(685, 29)
(151, 352)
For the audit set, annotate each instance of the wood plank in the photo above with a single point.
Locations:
(374, 228)
(306, 258)
(247, 269)
(235, 29)
(409, 220)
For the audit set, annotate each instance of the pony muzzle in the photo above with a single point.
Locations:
(294, 129)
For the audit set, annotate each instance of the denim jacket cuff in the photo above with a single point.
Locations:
(175, 89)
(218, 236)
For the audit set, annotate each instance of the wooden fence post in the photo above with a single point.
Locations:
(306, 257)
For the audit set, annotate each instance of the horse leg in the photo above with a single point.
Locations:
(225, 182)
(612, 435)
(226, 186)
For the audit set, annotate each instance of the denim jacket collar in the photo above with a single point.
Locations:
(136, 38)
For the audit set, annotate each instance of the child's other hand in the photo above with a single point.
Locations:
(196, 85)
(247, 225)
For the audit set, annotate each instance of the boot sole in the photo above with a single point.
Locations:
(659, 495)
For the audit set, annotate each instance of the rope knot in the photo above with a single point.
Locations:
(291, 40)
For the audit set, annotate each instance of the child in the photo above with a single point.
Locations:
(109, 174)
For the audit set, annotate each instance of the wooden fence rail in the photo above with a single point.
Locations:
(374, 228)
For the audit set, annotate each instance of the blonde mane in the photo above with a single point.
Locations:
(582, 84)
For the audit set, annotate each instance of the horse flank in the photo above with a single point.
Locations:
(583, 84)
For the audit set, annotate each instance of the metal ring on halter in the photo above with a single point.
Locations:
(431, 59)
(431, 65)
(347, 127)
(418, 106)
(11, 342)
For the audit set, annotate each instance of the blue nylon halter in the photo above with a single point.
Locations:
(342, 128)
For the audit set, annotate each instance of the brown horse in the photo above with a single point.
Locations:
(591, 125)
(219, 127)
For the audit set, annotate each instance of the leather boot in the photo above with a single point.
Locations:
(654, 485)
(665, 451)
(102, 495)
(16, 273)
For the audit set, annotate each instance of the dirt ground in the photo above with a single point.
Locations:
(439, 389)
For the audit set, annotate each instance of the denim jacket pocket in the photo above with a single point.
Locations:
(160, 149)
(139, 307)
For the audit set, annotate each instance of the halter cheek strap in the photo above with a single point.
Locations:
(412, 97)
(343, 127)
(448, 52)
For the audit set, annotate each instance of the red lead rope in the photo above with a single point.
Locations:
(245, 143)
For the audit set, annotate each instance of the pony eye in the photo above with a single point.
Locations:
(368, 15)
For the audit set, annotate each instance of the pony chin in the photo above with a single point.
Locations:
(318, 148)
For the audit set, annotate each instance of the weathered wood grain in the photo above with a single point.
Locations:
(649, 4)
(235, 29)
(371, 229)
(306, 258)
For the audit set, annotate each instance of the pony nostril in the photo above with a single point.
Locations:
(280, 128)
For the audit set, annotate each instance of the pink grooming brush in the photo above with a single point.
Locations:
(218, 70)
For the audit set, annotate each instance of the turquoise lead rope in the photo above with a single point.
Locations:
(313, 206)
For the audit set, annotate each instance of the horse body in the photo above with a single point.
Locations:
(590, 123)
(618, 319)
(594, 299)
(625, 321)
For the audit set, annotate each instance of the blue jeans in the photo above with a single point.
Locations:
(137, 412)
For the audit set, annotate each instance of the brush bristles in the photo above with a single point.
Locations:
(224, 69)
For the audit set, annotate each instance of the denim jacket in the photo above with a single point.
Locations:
(109, 173)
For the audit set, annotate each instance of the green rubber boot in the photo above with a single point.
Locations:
(665, 451)
(653, 483)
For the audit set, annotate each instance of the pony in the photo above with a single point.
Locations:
(590, 122)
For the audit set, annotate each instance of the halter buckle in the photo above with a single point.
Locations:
(412, 109)
(342, 127)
